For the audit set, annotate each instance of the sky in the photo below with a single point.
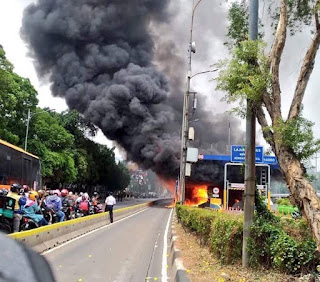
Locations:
(209, 33)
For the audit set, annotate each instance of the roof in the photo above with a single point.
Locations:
(17, 149)
(227, 158)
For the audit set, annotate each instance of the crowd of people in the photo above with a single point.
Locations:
(44, 207)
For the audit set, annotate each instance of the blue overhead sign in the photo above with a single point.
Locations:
(238, 154)
(272, 160)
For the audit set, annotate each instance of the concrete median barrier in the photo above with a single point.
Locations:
(47, 237)
(175, 261)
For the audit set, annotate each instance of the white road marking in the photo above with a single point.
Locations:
(86, 234)
(165, 251)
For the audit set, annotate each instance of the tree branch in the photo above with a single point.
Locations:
(306, 68)
(275, 58)
(266, 131)
(268, 102)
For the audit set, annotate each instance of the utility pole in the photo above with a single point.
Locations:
(185, 118)
(316, 178)
(250, 169)
(27, 130)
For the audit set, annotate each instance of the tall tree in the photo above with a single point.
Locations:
(251, 73)
(17, 95)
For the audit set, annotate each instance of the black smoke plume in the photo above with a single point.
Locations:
(99, 56)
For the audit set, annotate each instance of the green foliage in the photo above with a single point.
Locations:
(283, 244)
(300, 14)
(291, 256)
(238, 17)
(284, 202)
(17, 95)
(221, 232)
(261, 208)
(226, 237)
(297, 134)
(245, 76)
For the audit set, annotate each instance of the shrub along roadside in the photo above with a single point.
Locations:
(222, 232)
(285, 245)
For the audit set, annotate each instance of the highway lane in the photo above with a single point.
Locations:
(128, 250)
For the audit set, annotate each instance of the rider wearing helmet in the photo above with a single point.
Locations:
(94, 198)
(14, 190)
(31, 208)
(84, 205)
(54, 202)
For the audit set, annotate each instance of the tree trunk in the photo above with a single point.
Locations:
(302, 191)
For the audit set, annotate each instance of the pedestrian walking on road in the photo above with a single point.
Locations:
(110, 202)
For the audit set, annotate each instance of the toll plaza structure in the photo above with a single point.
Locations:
(233, 186)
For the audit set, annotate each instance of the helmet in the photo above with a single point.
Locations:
(70, 193)
(86, 195)
(64, 192)
(57, 192)
(41, 193)
(95, 193)
(15, 187)
(33, 195)
(3, 192)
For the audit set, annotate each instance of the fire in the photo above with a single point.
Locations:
(196, 195)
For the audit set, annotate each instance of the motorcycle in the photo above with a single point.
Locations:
(49, 215)
(27, 224)
(68, 211)
(6, 214)
(98, 208)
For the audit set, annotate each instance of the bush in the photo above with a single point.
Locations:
(226, 237)
(221, 232)
(283, 244)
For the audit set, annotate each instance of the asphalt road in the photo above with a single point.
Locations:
(128, 250)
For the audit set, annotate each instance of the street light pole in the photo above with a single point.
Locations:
(186, 99)
(250, 167)
(27, 131)
(28, 123)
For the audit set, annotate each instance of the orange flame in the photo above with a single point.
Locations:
(198, 195)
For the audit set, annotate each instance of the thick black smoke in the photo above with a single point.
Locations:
(101, 56)
(98, 55)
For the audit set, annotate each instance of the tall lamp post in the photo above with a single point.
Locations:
(185, 127)
(27, 128)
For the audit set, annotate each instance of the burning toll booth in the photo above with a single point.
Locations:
(217, 182)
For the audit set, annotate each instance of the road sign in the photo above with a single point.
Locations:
(238, 154)
(270, 160)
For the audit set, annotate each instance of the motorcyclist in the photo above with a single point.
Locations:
(64, 196)
(65, 202)
(14, 190)
(31, 208)
(54, 202)
(84, 205)
(94, 198)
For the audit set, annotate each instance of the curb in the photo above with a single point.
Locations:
(44, 238)
(175, 259)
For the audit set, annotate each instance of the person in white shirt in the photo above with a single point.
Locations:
(110, 202)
